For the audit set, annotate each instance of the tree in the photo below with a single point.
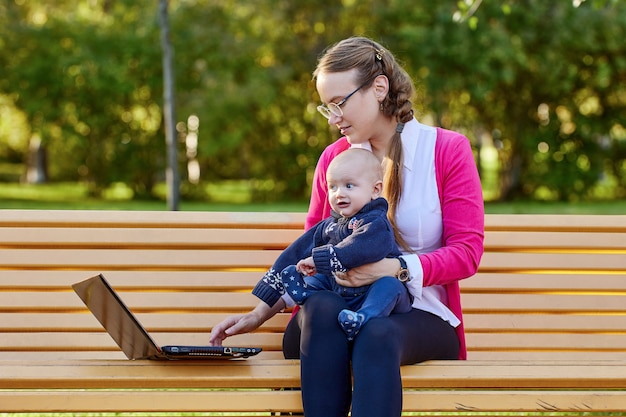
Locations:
(543, 80)
(172, 177)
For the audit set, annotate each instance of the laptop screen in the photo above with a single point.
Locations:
(116, 318)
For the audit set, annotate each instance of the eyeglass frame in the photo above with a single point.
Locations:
(326, 111)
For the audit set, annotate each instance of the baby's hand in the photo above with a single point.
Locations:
(306, 266)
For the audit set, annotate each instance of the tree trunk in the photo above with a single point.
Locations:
(171, 174)
(36, 169)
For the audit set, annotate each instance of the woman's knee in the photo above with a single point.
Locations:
(323, 303)
(377, 336)
(322, 309)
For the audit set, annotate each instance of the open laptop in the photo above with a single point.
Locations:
(134, 340)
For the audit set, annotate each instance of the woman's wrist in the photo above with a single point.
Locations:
(402, 273)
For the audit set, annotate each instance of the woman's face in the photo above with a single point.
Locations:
(360, 112)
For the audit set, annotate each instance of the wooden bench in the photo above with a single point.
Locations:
(545, 316)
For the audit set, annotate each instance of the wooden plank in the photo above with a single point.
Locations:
(175, 280)
(136, 301)
(183, 280)
(551, 222)
(493, 342)
(63, 218)
(558, 262)
(88, 341)
(544, 355)
(547, 342)
(543, 323)
(278, 238)
(142, 302)
(285, 373)
(493, 356)
(153, 322)
(543, 283)
(541, 241)
(201, 321)
(153, 401)
(484, 342)
(111, 259)
(127, 238)
(544, 303)
(142, 219)
(289, 401)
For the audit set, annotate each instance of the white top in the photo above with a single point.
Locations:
(419, 216)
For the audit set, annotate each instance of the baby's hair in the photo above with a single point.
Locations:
(362, 159)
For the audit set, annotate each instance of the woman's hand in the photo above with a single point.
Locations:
(232, 325)
(367, 274)
(243, 323)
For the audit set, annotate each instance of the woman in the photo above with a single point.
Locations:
(436, 208)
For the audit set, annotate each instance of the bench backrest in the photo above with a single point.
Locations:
(549, 286)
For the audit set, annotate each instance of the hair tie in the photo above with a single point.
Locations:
(399, 127)
(379, 54)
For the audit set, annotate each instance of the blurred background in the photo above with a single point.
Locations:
(539, 88)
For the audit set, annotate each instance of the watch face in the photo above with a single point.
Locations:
(403, 275)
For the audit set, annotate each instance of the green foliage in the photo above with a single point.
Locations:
(526, 74)
(542, 82)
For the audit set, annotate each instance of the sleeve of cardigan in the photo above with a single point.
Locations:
(462, 211)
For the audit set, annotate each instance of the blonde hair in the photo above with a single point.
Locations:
(370, 60)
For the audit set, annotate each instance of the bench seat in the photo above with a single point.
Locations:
(545, 316)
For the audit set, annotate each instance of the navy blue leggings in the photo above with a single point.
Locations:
(328, 361)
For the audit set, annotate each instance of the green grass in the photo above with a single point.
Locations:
(234, 196)
(228, 196)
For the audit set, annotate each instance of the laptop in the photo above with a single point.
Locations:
(134, 340)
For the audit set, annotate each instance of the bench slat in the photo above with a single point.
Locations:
(176, 280)
(550, 222)
(542, 241)
(153, 322)
(184, 238)
(127, 238)
(216, 401)
(573, 263)
(143, 219)
(111, 259)
(272, 341)
(218, 302)
(544, 283)
(203, 322)
(285, 373)
(59, 280)
(544, 303)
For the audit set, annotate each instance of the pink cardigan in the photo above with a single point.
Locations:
(462, 207)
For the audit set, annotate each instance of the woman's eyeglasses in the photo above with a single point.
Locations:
(335, 108)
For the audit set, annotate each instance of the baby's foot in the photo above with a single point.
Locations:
(350, 322)
(294, 284)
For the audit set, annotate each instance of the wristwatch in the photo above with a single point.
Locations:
(403, 273)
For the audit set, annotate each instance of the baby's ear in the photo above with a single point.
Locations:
(377, 190)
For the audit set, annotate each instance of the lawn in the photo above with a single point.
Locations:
(235, 196)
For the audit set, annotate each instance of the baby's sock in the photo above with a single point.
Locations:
(350, 322)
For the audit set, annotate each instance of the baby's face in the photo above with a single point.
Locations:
(349, 191)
